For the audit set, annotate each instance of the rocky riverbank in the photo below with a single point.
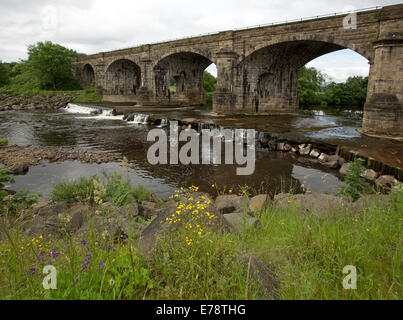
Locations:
(18, 159)
(37, 102)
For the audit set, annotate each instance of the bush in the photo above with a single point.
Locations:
(356, 185)
(94, 190)
(81, 189)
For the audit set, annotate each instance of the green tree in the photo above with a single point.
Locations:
(51, 64)
(4, 74)
(209, 81)
(311, 84)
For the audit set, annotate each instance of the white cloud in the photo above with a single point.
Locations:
(101, 25)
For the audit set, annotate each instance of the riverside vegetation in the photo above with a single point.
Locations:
(294, 252)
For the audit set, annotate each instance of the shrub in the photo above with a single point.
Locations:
(94, 190)
(356, 185)
(81, 189)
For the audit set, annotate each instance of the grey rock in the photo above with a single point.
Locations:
(386, 181)
(268, 281)
(258, 202)
(323, 157)
(320, 205)
(344, 168)
(228, 203)
(240, 221)
(370, 174)
(314, 153)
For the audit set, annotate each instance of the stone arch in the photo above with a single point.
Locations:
(123, 77)
(365, 51)
(185, 68)
(88, 75)
(269, 75)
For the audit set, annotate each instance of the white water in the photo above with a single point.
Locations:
(164, 123)
(77, 109)
(105, 114)
(140, 118)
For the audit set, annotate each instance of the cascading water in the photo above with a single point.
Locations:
(93, 112)
(77, 109)
(164, 123)
(139, 118)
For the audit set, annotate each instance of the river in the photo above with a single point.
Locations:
(274, 171)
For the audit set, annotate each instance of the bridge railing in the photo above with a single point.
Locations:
(254, 27)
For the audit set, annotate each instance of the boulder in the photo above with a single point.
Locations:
(117, 224)
(305, 150)
(386, 181)
(320, 205)
(280, 146)
(332, 164)
(160, 226)
(258, 202)
(344, 168)
(268, 281)
(147, 209)
(314, 153)
(281, 195)
(370, 174)
(49, 220)
(241, 221)
(287, 147)
(272, 145)
(229, 203)
(131, 210)
(19, 168)
(323, 157)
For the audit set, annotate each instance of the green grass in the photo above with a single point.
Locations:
(306, 252)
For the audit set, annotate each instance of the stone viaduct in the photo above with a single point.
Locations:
(257, 67)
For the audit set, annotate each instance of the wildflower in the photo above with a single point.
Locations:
(33, 270)
(53, 253)
(367, 229)
(101, 265)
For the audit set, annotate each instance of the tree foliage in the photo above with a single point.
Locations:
(51, 64)
(313, 89)
(4, 74)
(209, 82)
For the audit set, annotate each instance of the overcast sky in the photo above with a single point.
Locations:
(103, 25)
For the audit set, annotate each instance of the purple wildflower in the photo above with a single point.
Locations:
(41, 254)
(33, 270)
(101, 265)
(83, 242)
(53, 253)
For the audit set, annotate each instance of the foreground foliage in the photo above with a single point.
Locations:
(308, 254)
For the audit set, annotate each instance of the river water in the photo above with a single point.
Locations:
(77, 127)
